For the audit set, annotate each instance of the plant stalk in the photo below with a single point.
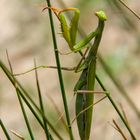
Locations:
(59, 72)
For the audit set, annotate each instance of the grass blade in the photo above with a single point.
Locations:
(21, 104)
(119, 86)
(17, 135)
(116, 108)
(119, 130)
(125, 18)
(5, 130)
(41, 105)
(59, 71)
(25, 116)
(25, 95)
(132, 11)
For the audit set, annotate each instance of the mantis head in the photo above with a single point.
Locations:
(101, 15)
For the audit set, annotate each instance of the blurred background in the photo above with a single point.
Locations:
(26, 34)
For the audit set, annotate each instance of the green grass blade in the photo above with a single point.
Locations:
(116, 108)
(59, 72)
(38, 118)
(25, 116)
(41, 105)
(118, 84)
(21, 104)
(4, 130)
(23, 93)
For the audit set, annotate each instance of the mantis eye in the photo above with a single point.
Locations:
(101, 15)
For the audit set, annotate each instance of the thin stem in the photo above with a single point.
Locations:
(119, 85)
(59, 71)
(41, 104)
(116, 108)
(59, 113)
(132, 11)
(119, 130)
(115, 5)
(4, 130)
(38, 67)
(20, 101)
(25, 116)
(17, 135)
(87, 108)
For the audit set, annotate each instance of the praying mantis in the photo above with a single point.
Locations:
(87, 64)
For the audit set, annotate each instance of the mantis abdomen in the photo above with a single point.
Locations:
(84, 101)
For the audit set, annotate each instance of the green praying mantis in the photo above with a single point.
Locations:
(87, 64)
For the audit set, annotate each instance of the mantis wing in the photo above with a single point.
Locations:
(85, 101)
